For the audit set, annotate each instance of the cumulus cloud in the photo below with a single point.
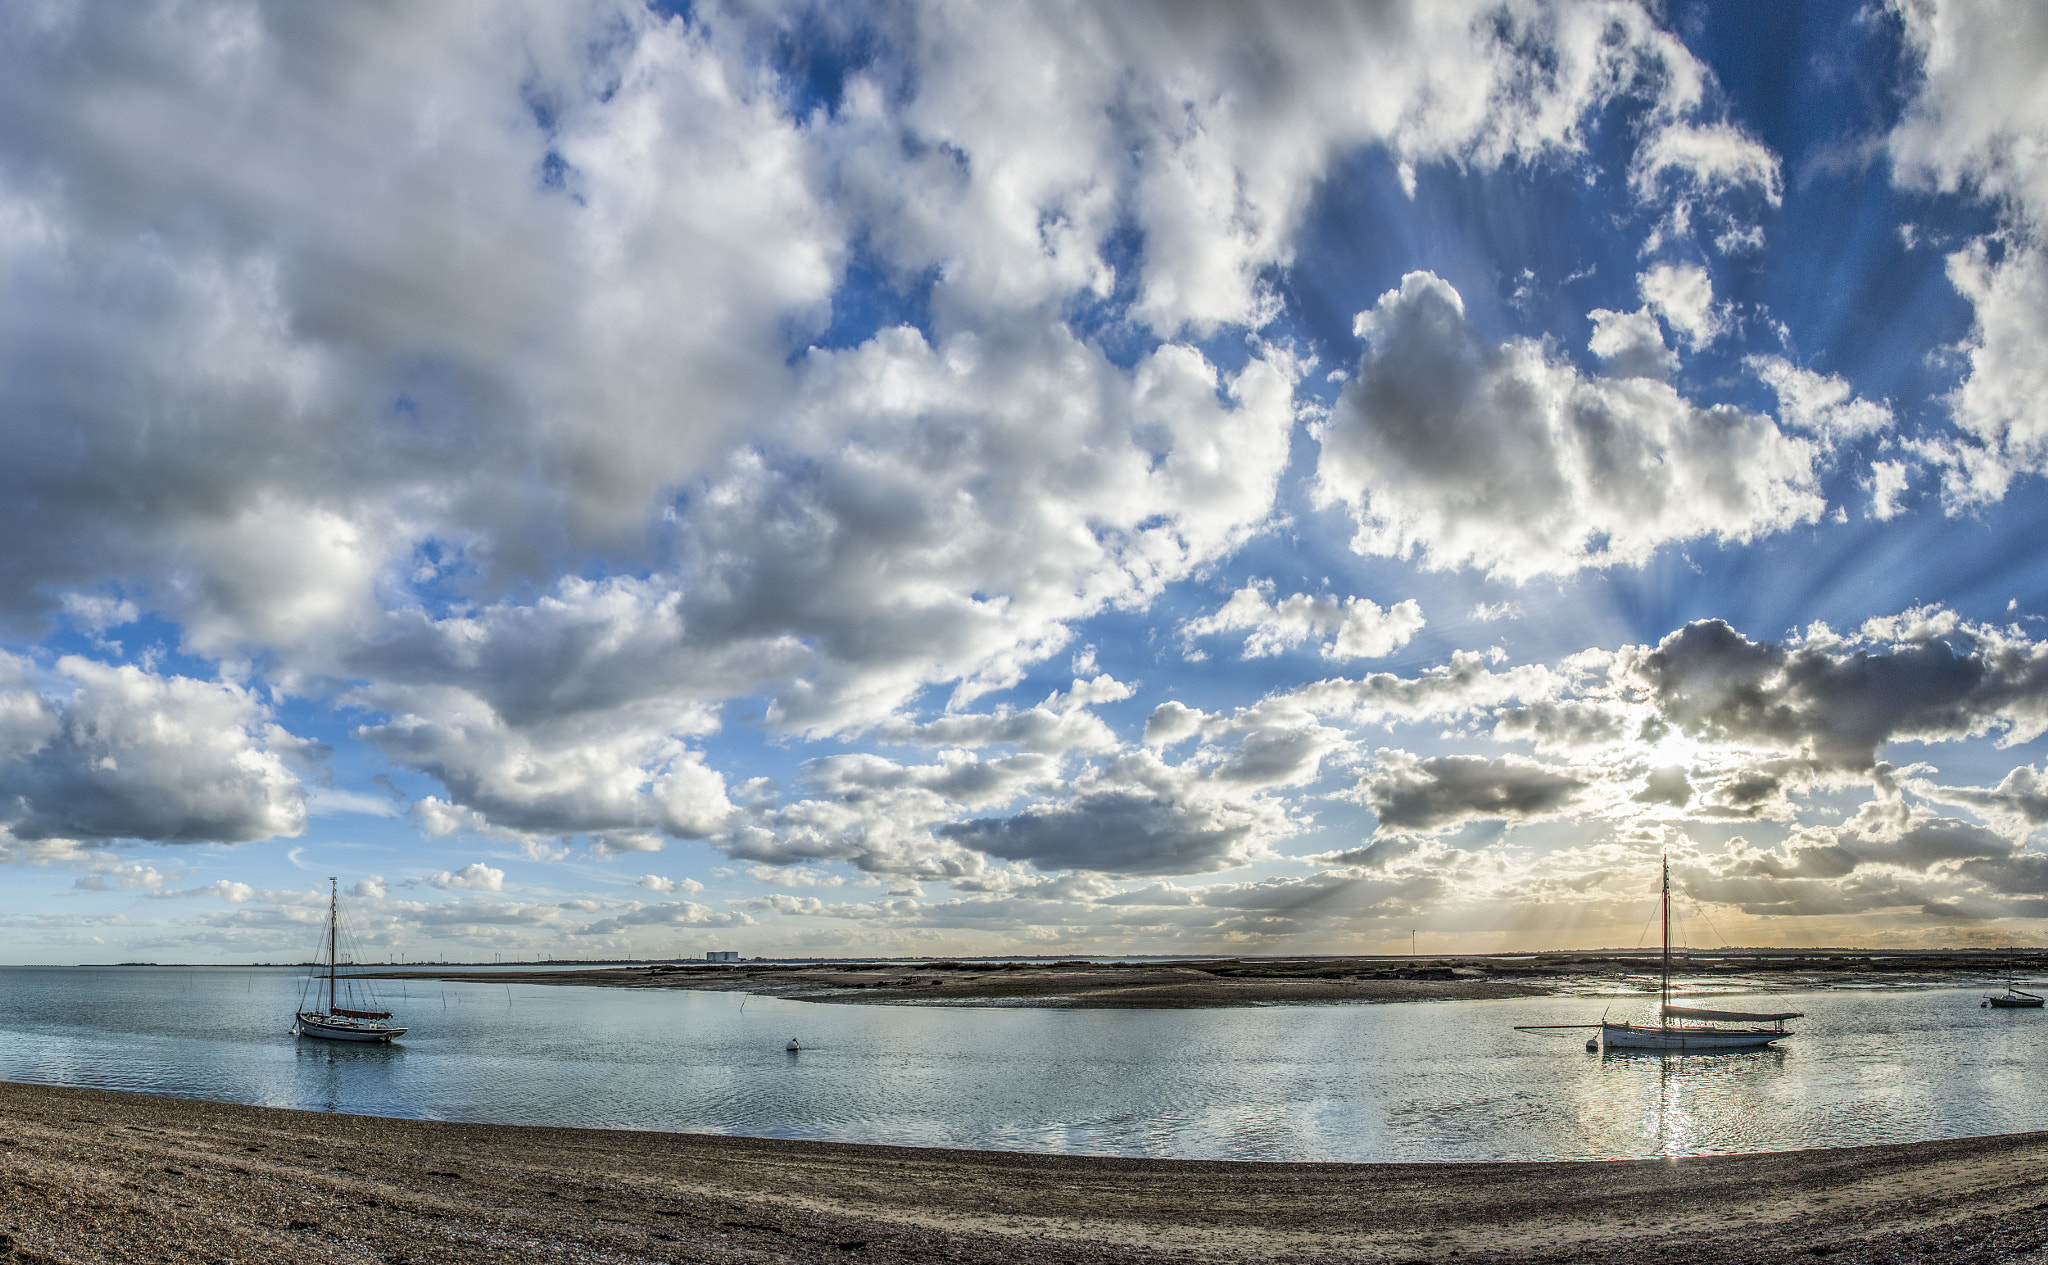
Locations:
(1357, 627)
(1683, 294)
(1631, 344)
(497, 241)
(567, 776)
(121, 753)
(1706, 158)
(1123, 832)
(1819, 404)
(1839, 701)
(476, 876)
(1004, 484)
(1407, 792)
(657, 883)
(1461, 453)
(2019, 802)
(1977, 124)
(1175, 118)
(497, 407)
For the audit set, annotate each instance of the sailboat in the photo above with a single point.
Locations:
(1696, 1027)
(2012, 998)
(1686, 1029)
(337, 1023)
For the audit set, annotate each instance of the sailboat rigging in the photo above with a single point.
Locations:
(2012, 998)
(338, 1023)
(1695, 1030)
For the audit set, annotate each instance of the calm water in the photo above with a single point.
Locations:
(1421, 1081)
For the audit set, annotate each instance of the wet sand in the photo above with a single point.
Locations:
(87, 1176)
(1261, 981)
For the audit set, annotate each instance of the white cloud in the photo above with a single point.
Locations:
(476, 876)
(1357, 627)
(1631, 344)
(362, 335)
(1683, 294)
(1069, 123)
(1887, 486)
(1823, 405)
(1708, 158)
(1977, 124)
(1460, 453)
(656, 883)
(1001, 486)
(569, 774)
(122, 753)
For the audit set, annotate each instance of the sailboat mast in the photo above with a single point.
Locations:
(1664, 984)
(334, 917)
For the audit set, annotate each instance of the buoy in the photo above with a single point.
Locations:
(1592, 1044)
(792, 1047)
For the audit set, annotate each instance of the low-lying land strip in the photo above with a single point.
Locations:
(1257, 981)
(92, 1177)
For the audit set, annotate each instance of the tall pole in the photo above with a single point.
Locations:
(333, 918)
(1664, 987)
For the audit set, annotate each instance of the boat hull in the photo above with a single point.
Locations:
(1683, 1040)
(330, 1028)
(2014, 1003)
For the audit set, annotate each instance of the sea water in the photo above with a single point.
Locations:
(1411, 1081)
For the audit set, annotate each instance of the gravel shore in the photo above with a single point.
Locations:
(90, 1176)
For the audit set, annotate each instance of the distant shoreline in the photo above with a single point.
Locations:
(96, 1177)
(1231, 982)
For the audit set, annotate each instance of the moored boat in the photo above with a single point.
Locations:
(2012, 998)
(337, 1022)
(1688, 1029)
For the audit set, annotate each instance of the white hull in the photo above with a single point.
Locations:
(1682, 1039)
(334, 1028)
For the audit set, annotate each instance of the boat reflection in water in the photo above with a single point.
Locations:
(1687, 1029)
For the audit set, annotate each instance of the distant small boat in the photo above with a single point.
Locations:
(337, 1023)
(1695, 1037)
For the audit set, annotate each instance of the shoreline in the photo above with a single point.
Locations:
(1237, 982)
(102, 1176)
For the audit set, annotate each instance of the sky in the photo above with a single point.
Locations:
(942, 479)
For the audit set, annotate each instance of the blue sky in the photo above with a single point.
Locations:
(606, 480)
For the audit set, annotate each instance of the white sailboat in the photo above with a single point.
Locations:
(1687, 1029)
(338, 1023)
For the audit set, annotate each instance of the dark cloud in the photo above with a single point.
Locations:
(1118, 832)
(1666, 786)
(1444, 790)
(1840, 703)
(1562, 725)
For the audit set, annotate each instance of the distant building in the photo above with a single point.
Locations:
(721, 955)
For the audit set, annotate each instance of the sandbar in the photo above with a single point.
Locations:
(1226, 982)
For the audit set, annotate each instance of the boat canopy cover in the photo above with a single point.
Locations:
(362, 1014)
(1726, 1016)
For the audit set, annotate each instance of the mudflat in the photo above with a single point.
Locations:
(1227, 982)
(88, 1176)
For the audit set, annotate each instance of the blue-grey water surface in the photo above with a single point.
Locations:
(1414, 1081)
